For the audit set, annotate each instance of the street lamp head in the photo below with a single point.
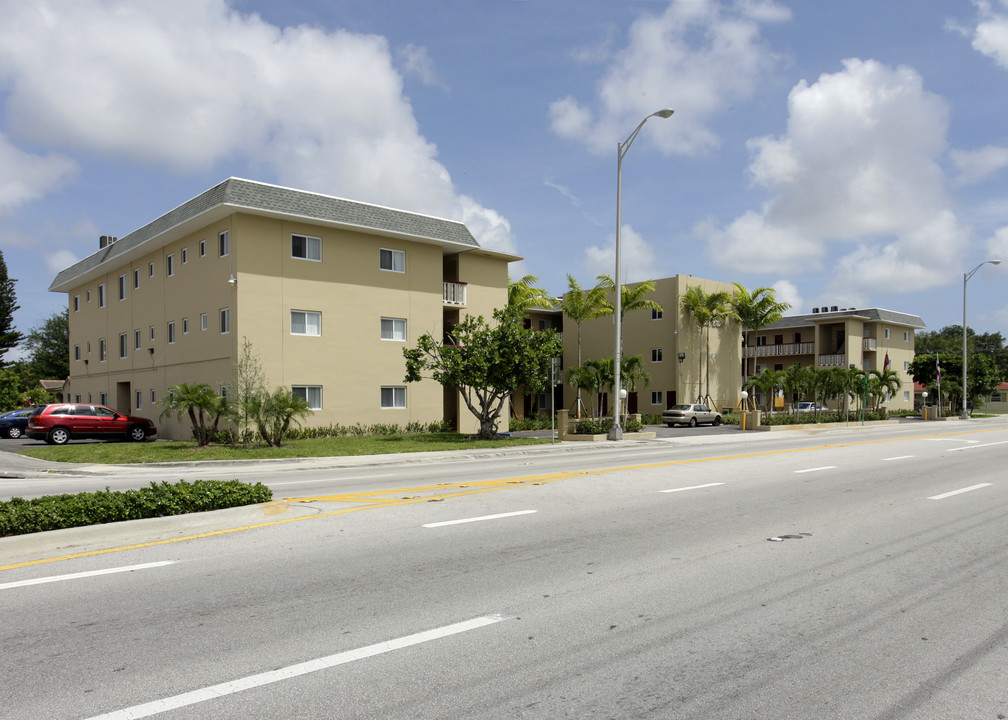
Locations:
(994, 262)
(666, 113)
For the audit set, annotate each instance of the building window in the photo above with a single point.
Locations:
(104, 398)
(152, 333)
(761, 341)
(393, 397)
(171, 333)
(225, 321)
(185, 255)
(136, 279)
(76, 352)
(153, 396)
(888, 333)
(139, 400)
(797, 338)
(101, 295)
(76, 303)
(995, 397)
(123, 345)
(222, 243)
(656, 397)
(906, 336)
(306, 247)
(150, 270)
(656, 314)
(88, 296)
(312, 394)
(393, 329)
(122, 287)
(170, 266)
(656, 355)
(306, 322)
(906, 366)
(906, 396)
(101, 350)
(136, 339)
(77, 397)
(203, 321)
(202, 248)
(392, 260)
(89, 347)
(185, 326)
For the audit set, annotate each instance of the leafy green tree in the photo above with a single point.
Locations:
(580, 305)
(754, 310)
(588, 378)
(948, 341)
(632, 372)
(706, 310)
(9, 336)
(883, 384)
(523, 295)
(201, 404)
(798, 380)
(274, 413)
(48, 348)
(486, 363)
(767, 382)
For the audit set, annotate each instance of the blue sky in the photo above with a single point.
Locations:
(851, 154)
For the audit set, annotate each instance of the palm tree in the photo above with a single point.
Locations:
(798, 380)
(523, 295)
(204, 407)
(767, 382)
(631, 298)
(706, 310)
(632, 372)
(754, 310)
(883, 384)
(594, 376)
(580, 305)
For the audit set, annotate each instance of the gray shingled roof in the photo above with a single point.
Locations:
(869, 314)
(260, 198)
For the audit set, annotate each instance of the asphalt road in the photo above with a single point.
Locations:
(788, 575)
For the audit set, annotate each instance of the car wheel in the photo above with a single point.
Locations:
(14, 432)
(717, 421)
(137, 434)
(692, 422)
(58, 436)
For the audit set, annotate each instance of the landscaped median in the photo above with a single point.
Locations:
(56, 512)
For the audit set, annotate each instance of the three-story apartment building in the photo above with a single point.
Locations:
(326, 291)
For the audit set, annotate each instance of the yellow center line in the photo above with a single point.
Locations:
(377, 500)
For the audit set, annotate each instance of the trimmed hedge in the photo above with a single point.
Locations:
(54, 512)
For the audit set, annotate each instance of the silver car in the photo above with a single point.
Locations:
(691, 415)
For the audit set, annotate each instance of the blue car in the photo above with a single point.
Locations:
(13, 423)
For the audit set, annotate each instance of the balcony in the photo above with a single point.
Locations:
(779, 350)
(454, 294)
(868, 344)
(833, 360)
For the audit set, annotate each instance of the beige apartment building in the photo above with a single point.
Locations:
(674, 354)
(839, 337)
(327, 291)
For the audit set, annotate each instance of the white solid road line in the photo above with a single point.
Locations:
(477, 519)
(824, 467)
(292, 671)
(959, 492)
(693, 487)
(90, 573)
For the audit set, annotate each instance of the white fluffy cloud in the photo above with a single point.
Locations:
(190, 83)
(991, 34)
(977, 165)
(25, 177)
(997, 246)
(638, 258)
(787, 291)
(698, 54)
(859, 164)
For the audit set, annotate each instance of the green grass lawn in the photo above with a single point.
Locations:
(163, 452)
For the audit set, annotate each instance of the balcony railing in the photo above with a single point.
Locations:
(779, 350)
(833, 360)
(868, 344)
(454, 293)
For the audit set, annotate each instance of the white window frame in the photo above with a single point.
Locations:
(150, 270)
(139, 399)
(202, 248)
(171, 332)
(657, 396)
(656, 355)
(388, 329)
(306, 392)
(393, 255)
(170, 265)
(76, 303)
(152, 333)
(102, 350)
(103, 398)
(122, 287)
(185, 326)
(101, 295)
(203, 321)
(225, 321)
(223, 244)
(123, 346)
(310, 243)
(656, 314)
(398, 394)
(305, 315)
(185, 256)
(136, 278)
(906, 336)
(888, 333)
(77, 353)
(137, 339)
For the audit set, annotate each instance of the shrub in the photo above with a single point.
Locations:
(600, 427)
(55, 512)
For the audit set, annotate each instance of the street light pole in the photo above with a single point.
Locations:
(616, 432)
(966, 277)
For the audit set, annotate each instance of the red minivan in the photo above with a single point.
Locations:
(59, 423)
